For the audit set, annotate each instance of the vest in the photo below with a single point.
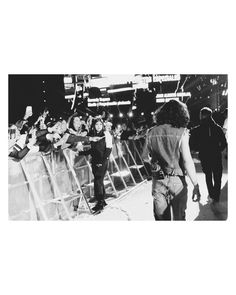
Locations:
(163, 143)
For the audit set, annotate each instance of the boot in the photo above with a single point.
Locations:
(98, 207)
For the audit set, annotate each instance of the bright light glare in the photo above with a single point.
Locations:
(130, 114)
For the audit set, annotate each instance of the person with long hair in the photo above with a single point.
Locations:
(99, 152)
(167, 145)
(77, 126)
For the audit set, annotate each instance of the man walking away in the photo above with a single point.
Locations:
(209, 140)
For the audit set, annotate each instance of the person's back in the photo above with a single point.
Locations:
(208, 138)
(164, 146)
(167, 144)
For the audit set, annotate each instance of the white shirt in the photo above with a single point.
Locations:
(108, 139)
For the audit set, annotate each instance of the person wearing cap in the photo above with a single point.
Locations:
(209, 140)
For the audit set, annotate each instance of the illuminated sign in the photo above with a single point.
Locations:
(166, 78)
(178, 94)
(101, 99)
(108, 80)
(109, 103)
(166, 99)
(120, 90)
(68, 80)
(71, 96)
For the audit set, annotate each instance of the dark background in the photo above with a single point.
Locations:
(42, 91)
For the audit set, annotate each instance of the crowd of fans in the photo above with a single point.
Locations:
(94, 135)
(45, 134)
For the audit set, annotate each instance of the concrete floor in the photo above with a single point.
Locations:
(137, 205)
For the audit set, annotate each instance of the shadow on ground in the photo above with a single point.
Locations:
(218, 212)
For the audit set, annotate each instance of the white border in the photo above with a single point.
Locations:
(117, 37)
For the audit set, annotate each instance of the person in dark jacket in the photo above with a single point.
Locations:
(209, 140)
(100, 151)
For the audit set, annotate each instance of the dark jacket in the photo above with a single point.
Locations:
(98, 151)
(208, 139)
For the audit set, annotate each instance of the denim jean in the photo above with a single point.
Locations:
(169, 194)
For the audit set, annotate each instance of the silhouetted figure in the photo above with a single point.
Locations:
(209, 140)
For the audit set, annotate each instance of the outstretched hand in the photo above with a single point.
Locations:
(95, 138)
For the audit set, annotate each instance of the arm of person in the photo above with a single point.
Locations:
(194, 139)
(222, 141)
(42, 132)
(108, 141)
(61, 141)
(187, 158)
(189, 164)
(146, 152)
(76, 138)
(85, 153)
(19, 154)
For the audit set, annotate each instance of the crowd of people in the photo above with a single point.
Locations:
(45, 135)
(167, 150)
(88, 135)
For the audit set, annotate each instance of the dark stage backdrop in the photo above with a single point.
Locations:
(36, 91)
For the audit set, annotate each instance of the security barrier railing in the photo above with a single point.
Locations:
(59, 185)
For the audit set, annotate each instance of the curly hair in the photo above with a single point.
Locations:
(174, 113)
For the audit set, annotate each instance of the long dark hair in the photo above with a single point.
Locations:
(93, 130)
(174, 113)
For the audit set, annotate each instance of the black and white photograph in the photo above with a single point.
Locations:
(118, 147)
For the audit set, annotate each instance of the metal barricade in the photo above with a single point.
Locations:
(43, 187)
(58, 186)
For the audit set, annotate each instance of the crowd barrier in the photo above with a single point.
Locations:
(58, 185)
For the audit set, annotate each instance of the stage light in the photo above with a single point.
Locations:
(121, 115)
(130, 114)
